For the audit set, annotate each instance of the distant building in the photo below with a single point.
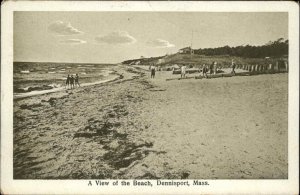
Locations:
(186, 50)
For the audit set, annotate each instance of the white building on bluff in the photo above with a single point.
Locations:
(186, 50)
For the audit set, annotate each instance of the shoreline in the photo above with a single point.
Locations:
(114, 76)
(35, 93)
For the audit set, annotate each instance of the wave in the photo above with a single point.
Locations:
(106, 73)
(59, 88)
(55, 85)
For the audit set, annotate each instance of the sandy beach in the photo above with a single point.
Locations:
(138, 128)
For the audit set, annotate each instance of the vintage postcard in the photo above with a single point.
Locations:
(149, 97)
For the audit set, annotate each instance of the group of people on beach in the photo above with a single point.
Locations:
(211, 69)
(72, 81)
(152, 69)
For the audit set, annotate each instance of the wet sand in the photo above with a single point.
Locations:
(137, 127)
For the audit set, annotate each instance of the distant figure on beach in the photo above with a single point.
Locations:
(215, 67)
(183, 71)
(233, 67)
(211, 68)
(77, 80)
(72, 81)
(152, 71)
(204, 70)
(68, 81)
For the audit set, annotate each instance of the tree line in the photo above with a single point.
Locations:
(276, 48)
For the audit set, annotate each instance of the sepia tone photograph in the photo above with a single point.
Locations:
(149, 97)
(159, 95)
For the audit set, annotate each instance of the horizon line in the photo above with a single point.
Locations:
(20, 61)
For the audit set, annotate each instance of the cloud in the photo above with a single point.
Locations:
(117, 37)
(62, 28)
(160, 43)
(73, 41)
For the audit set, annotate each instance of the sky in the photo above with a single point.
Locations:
(112, 37)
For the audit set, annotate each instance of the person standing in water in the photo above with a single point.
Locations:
(72, 81)
(68, 81)
(77, 80)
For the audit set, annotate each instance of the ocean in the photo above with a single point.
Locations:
(30, 77)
